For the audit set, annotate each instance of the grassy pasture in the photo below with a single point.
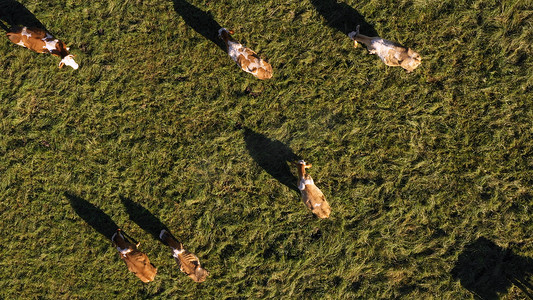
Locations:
(429, 174)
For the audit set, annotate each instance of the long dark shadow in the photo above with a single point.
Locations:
(94, 216)
(15, 14)
(487, 270)
(273, 156)
(144, 218)
(200, 21)
(343, 17)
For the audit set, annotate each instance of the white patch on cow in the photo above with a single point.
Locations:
(50, 45)
(381, 47)
(176, 252)
(124, 251)
(301, 185)
(234, 50)
(303, 182)
(317, 204)
(25, 33)
(21, 43)
(254, 66)
(255, 63)
(69, 61)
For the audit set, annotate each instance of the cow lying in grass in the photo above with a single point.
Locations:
(247, 59)
(312, 197)
(188, 262)
(391, 53)
(137, 262)
(41, 41)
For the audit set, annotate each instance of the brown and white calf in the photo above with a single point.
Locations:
(312, 197)
(42, 41)
(137, 261)
(391, 53)
(247, 59)
(188, 262)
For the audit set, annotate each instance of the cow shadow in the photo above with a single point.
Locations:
(201, 21)
(487, 270)
(92, 215)
(15, 14)
(343, 17)
(273, 156)
(144, 218)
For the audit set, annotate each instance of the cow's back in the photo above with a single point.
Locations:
(31, 38)
(15, 38)
(315, 200)
(139, 264)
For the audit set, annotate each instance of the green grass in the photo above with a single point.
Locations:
(415, 166)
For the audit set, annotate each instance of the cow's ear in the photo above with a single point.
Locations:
(61, 64)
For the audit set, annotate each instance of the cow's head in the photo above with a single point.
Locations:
(225, 34)
(301, 166)
(304, 164)
(69, 61)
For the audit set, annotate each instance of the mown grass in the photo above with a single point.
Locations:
(416, 167)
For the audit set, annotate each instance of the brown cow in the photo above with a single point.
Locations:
(42, 41)
(312, 197)
(137, 262)
(247, 59)
(188, 262)
(391, 53)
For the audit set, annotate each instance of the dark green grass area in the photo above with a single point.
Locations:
(429, 174)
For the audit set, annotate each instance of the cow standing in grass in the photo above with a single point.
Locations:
(247, 59)
(391, 53)
(188, 262)
(312, 197)
(42, 41)
(137, 261)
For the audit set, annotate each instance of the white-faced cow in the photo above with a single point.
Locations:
(188, 262)
(137, 261)
(391, 53)
(42, 41)
(247, 59)
(312, 197)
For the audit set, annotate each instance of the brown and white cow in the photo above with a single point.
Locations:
(188, 262)
(137, 261)
(42, 41)
(312, 197)
(391, 53)
(247, 59)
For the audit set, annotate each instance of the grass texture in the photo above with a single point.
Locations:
(429, 174)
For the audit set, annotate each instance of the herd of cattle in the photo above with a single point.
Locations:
(392, 54)
(140, 265)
